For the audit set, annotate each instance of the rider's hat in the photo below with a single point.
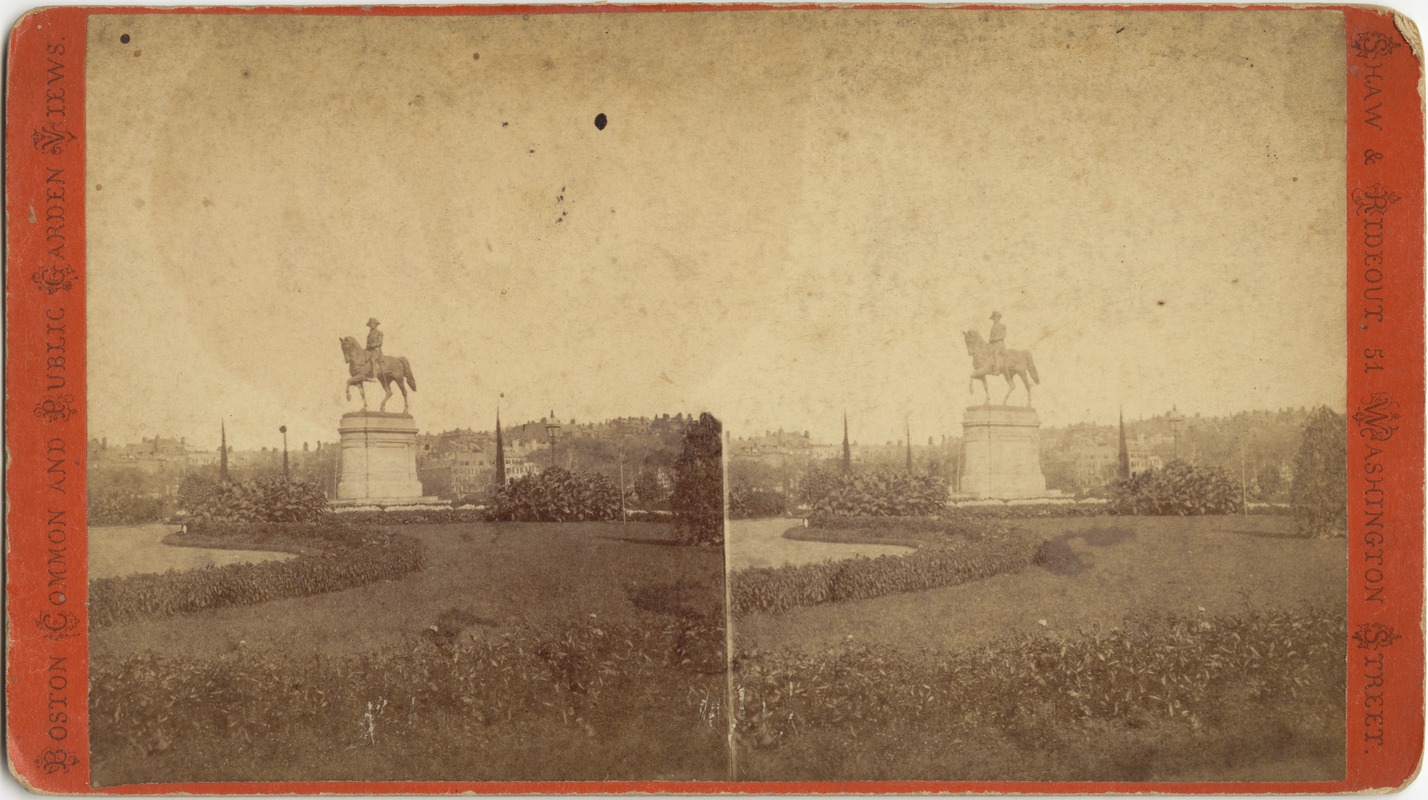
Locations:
(996, 315)
(372, 321)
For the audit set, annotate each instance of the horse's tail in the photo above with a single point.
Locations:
(407, 368)
(1031, 367)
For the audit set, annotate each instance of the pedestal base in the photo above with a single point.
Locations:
(1001, 454)
(378, 457)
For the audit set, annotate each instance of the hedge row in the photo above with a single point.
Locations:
(333, 558)
(441, 515)
(1191, 670)
(940, 526)
(777, 589)
(436, 515)
(1027, 511)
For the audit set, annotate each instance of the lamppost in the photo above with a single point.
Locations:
(283, 429)
(553, 429)
(1175, 420)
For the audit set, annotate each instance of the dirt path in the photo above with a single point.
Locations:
(134, 549)
(761, 543)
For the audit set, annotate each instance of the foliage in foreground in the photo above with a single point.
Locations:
(698, 499)
(434, 708)
(1321, 486)
(1177, 489)
(886, 493)
(331, 557)
(556, 495)
(777, 589)
(1062, 702)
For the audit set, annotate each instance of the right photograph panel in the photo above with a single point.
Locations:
(1036, 470)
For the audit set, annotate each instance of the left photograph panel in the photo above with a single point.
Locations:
(386, 481)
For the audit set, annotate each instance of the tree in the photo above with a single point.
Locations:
(698, 500)
(847, 451)
(648, 489)
(1271, 483)
(815, 484)
(1320, 494)
(198, 486)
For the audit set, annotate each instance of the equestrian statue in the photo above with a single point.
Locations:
(370, 365)
(993, 358)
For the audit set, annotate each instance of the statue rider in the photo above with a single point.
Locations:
(374, 347)
(997, 340)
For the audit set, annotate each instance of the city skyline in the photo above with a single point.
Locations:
(1151, 252)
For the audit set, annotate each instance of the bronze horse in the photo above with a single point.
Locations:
(393, 369)
(1014, 363)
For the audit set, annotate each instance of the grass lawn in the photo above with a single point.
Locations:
(502, 575)
(1100, 569)
(384, 682)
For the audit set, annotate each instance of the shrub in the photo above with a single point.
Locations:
(1320, 492)
(556, 495)
(815, 484)
(197, 487)
(333, 557)
(746, 502)
(262, 500)
(698, 499)
(115, 507)
(777, 589)
(884, 493)
(1177, 489)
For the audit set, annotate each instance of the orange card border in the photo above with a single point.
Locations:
(47, 666)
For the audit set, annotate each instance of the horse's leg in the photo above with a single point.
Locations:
(362, 389)
(387, 386)
(1027, 384)
(348, 387)
(986, 392)
(406, 404)
(1011, 384)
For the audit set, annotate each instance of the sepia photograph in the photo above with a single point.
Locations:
(398, 468)
(1044, 476)
(684, 399)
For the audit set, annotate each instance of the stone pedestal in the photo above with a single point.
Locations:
(1001, 454)
(378, 457)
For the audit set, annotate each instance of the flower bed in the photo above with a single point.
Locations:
(459, 702)
(1239, 676)
(777, 589)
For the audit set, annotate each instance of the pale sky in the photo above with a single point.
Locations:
(789, 214)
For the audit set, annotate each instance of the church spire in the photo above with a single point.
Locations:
(223, 450)
(1124, 465)
(847, 451)
(909, 444)
(500, 451)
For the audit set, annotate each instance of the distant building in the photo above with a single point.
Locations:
(1095, 463)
